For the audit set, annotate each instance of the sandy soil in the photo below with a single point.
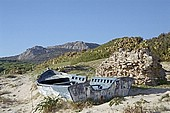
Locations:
(151, 96)
(18, 94)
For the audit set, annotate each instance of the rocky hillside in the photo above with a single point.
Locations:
(160, 46)
(103, 51)
(39, 54)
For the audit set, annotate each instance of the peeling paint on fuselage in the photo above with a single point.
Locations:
(78, 88)
(84, 91)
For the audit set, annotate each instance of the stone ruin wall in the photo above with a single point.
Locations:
(140, 64)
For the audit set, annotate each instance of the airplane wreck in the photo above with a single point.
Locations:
(79, 88)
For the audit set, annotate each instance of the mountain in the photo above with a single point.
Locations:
(160, 46)
(39, 54)
(100, 52)
(78, 45)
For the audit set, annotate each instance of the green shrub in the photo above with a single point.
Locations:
(49, 105)
(15, 67)
(54, 104)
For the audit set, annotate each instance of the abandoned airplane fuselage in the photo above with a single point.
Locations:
(78, 88)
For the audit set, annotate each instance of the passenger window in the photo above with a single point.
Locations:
(104, 81)
(76, 78)
(83, 79)
(101, 80)
(100, 87)
(92, 80)
(111, 81)
(79, 78)
(72, 77)
(107, 81)
(98, 80)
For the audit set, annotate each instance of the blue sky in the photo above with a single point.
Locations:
(26, 23)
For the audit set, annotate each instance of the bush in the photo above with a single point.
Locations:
(116, 101)
(78, 106)
(49, 104)
(15, 67)
(54, 104)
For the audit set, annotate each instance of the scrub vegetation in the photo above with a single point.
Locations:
(15, 67)
(160, 46)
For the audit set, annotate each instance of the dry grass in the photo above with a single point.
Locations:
(137, 108)
(160, 108)
(4, 92)
(165, 98)
(7, 101)
(53, 105)
(116, 101)
(78, 106)
(140, 107)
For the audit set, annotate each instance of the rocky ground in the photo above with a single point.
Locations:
(18, 94)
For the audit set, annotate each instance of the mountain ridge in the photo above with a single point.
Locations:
(38, 54)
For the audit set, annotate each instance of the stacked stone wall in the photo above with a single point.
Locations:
(140, 64)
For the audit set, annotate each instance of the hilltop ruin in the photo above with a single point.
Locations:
(140, 64)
